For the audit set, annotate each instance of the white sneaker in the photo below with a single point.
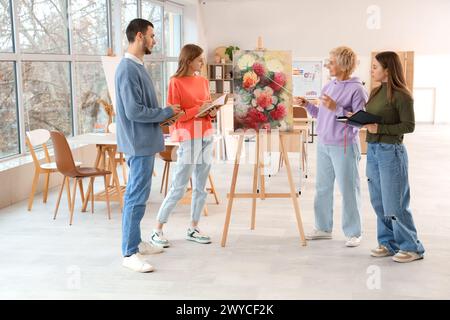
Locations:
(353, 241)
(137, 263)
(194, 234)
(146, 248)
(157, 239)
(317, 235)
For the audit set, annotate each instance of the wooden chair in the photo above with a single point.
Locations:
(66, 165)
(35, 139)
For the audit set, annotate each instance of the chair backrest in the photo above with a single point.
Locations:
(300, 112)
(112, 127)
(63, 154)
(36, 138)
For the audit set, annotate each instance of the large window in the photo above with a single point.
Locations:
(6, 44)
(9, 139)
(172, 30)
(42, 26)
(89, 26)
(129, 11)
(46, 96)
(51, 75)
(90, 87)
(153, 12)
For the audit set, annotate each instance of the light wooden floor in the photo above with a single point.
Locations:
(41, 258)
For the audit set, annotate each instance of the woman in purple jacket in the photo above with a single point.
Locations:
(338, 151)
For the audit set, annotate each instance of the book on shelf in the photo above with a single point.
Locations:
(218, 72)
(227, 87)
(212, 87)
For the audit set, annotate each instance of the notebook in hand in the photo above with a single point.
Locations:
(219, 102)
(172, 119)
(360, 119)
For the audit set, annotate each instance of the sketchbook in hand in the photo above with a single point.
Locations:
(172, 119)
(360, 119)
(219, 102)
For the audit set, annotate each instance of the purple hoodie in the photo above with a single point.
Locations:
(350, 96)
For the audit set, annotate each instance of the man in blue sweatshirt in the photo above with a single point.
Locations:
(139, 137)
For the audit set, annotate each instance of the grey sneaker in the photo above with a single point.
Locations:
(406, 256)
(157, 239)
(197, 236)
(318, 235)
(380, 252)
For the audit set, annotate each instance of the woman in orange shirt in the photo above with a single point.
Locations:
(195, 135)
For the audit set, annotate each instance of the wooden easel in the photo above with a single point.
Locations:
(258, 175)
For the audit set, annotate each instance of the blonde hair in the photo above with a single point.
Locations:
(345, 58)
(188, 54)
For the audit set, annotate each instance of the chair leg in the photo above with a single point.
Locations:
(167, 178)
(68, 193)
(92, 194)
(205, 211)
(47, 182)
(107, 198)
(124, 168)
(163, 177)
(59, 197)
(213, 189)
(75, 184)
(33, 190)
(80, 184)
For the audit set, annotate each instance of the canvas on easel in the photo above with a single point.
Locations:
(263, 90)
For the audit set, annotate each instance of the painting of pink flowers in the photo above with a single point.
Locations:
(263, 90)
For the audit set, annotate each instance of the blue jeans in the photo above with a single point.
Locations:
(194, 159)
(387, 174)
(335, 164)
(135, 199)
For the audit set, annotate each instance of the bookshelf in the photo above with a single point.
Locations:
(220, 76)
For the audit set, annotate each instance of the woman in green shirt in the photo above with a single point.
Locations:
(387, 161)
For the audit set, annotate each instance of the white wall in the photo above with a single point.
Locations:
(312, 28)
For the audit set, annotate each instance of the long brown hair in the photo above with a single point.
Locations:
(390, 61)
(188, 54)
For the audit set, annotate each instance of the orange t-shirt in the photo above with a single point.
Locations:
(190, 93)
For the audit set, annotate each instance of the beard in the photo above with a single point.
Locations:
(146, 49)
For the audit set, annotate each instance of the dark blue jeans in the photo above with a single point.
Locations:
(387, 173)
(135, 199)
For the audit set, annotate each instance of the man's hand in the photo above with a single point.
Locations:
(300, 101)
(176, 108)
(328, 102)
(372, 128)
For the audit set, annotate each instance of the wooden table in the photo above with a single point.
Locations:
(106, 144)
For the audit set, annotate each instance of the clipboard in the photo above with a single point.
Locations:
(360, 118)
(219, 102)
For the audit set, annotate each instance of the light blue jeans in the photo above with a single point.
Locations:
(135, 199)
(194, 159)
(333, 164)
(387, 174)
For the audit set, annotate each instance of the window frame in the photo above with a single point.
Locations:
(114, 41)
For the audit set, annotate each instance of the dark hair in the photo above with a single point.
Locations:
(135, 26)
(390, 61)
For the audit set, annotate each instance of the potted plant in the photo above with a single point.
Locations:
(229, 51)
